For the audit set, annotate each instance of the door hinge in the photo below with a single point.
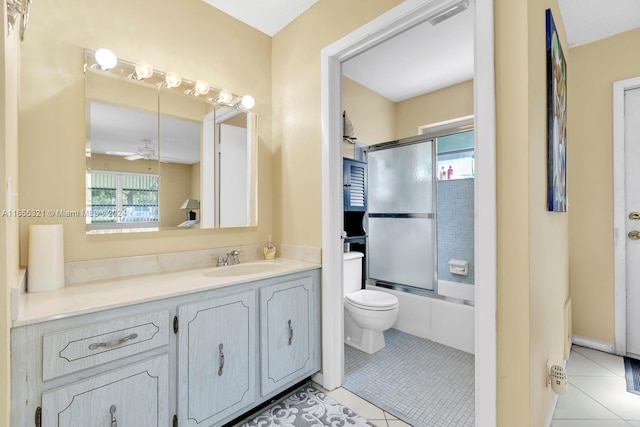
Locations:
(175, 421)
(38, 416)
(175, 324)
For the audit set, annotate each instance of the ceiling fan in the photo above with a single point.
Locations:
(148, 153)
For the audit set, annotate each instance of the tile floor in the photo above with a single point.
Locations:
(422, 382)
(365, 409)
(597, 393)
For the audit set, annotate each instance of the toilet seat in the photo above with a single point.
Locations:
(371, 300)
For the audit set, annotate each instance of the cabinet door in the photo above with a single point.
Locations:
(216, 359)
(355, 185)
(289, 333)
(136, 395)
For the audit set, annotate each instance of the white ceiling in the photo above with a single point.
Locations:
(420, 60)
(427, 58)
(180, 138)
(268, 16)
(586, 21)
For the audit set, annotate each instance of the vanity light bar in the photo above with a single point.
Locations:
(106, 61)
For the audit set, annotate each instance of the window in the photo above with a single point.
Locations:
(122, 200)
(456, 156)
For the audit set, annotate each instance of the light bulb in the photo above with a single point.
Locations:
(248, 102)
(172, 79)
(201, 87)
(106, 59)
(143, 71)
(225, 96)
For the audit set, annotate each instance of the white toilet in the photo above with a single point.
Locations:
(367, 313)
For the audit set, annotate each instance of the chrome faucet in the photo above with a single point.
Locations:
(232, 257)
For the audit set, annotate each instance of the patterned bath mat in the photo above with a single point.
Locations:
(308, 407)
(632, 374)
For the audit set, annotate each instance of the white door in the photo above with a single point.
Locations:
(235, 168)
(632, 214)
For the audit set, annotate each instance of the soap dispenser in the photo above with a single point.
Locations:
(269, 249)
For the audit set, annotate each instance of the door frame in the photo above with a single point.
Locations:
(619, 214)
(387, 25)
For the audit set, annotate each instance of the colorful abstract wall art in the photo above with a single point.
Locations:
(557, 119)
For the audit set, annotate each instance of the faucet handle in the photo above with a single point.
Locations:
(222, 261)
(234, 257)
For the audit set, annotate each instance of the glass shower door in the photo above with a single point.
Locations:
(401, 219)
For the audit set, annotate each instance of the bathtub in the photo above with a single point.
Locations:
(446, 321)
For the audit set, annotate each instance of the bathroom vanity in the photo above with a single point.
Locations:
(190, 348)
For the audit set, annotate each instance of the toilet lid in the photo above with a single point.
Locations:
(373, 300)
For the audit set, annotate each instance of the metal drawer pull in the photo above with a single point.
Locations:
(634, 235)
(112, 343)
(290, 332)
(112, 410)
(221, 363)
(634, 216)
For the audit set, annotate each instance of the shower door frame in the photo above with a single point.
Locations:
(434, 205)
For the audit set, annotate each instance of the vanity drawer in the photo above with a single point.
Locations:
(81, 348)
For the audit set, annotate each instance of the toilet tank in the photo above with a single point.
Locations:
(352, 271)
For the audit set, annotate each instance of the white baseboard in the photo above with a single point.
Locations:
(607, 347)
(552, 409)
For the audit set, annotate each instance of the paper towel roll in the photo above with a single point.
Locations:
(45, 268)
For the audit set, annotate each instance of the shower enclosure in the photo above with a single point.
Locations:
(401, 220)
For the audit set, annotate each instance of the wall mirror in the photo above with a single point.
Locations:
(166, 154)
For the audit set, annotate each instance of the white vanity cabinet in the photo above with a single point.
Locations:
(198, 358)
(216, 358)
(289, 332)
(131, 396)
(109, 368)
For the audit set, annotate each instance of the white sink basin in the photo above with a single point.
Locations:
(244, 269)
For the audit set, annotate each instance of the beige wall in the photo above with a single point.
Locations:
(533, 247)
(513, 312)
(171, 36)
(372, 115)
(195, 183)
(9, 59)
(175, 187)
(296, 112)
(445, 104)
(377, 119)
(594, 67)
(548, 231)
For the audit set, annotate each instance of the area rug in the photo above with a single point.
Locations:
(308, 407)
(632, 374)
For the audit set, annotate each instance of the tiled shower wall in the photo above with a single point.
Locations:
(455, 227)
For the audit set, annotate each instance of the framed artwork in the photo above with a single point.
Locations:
(557, 120)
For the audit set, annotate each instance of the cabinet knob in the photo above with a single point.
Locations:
(221, 360)
(112, 411)
(290, 332)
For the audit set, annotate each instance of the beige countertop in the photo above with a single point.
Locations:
(89, 297)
